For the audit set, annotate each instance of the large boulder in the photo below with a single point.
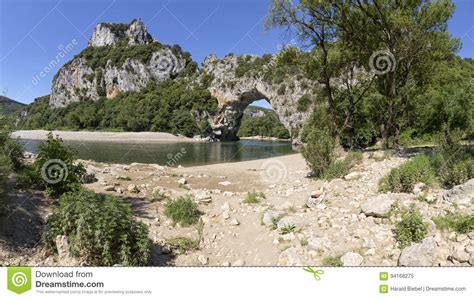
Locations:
(378, 206)
(420, 254)
(352, 259)
(461, 194)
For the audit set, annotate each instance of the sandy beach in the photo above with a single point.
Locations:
(136, 137)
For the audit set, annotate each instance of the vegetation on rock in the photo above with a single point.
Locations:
(411, 228)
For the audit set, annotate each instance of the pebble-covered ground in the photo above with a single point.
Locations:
(300, 221)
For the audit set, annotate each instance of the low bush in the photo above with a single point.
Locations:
(340, 168)
(11, 155)
(254, 197)
(182, 210)
(183, 244)
(318, 151)
(100, 230)
(304, 103)
(411, 228)
(333, 261)
(404, 177)
(54, 168)
(460, 223)
(453, 163)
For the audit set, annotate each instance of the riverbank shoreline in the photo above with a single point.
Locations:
(136, 137)
(264, 138)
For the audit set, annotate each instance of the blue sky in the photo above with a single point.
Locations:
(33, 32)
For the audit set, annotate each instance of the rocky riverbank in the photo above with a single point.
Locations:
(300, 221)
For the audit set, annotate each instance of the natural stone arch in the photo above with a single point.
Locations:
(235, 93)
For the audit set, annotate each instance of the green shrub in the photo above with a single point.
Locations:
(54, 168)
(100, 230)
(254, 197)
(289, 228)
(304, 103)
(182, 210)
(318, 151)
(332, 261)
(411, 228)
(454, 163)
(404, 177)
(460, 223)
(183, 244)
(11, 156)
(340, 168)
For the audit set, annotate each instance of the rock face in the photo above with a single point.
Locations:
(234, 93)
(81, 78)
(110, 34)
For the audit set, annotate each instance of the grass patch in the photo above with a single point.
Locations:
(411, 228)
(182, 210)
(404, 177)
(460, 223)
(254, 197)
(183, 244)
(332, 261)
(304, 242)
(159, 195)
(289, 228)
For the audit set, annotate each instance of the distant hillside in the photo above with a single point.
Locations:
(8, 105)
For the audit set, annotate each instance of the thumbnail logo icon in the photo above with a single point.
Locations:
(383, 275)
(19, 279)
(383, 289)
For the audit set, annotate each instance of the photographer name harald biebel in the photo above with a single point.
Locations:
(42, 279)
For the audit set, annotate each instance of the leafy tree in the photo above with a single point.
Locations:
(312, 22)
(412, 36)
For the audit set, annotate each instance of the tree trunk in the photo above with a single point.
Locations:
(391, 104)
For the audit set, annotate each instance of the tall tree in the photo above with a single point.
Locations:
(312, 22)
(401, 42)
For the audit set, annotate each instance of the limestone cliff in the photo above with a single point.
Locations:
(119, 58)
